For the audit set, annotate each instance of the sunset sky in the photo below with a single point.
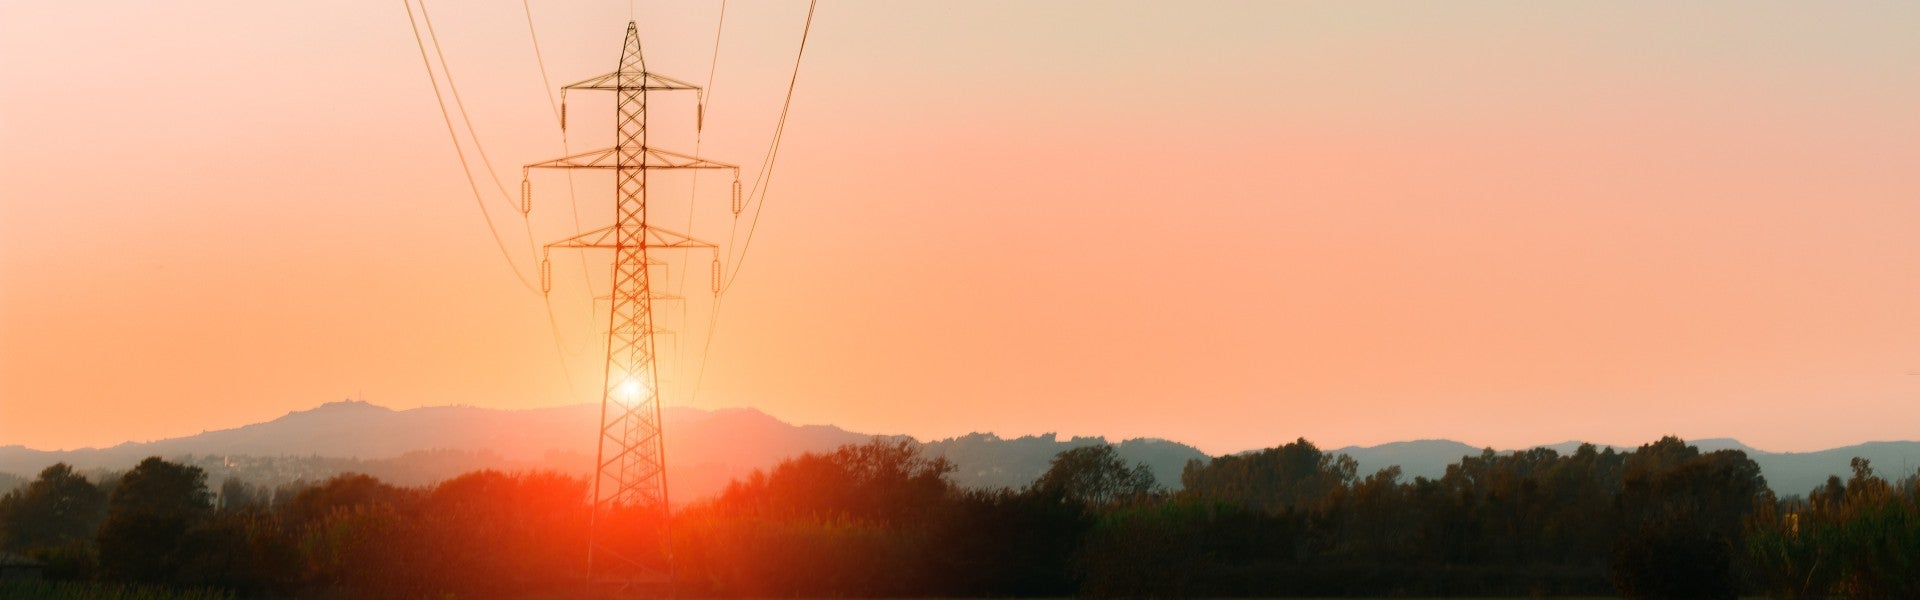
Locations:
(1229, 224)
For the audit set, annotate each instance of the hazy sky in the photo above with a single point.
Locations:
(1230, 224)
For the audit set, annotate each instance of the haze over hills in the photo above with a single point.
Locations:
(710, 448)
(1787, 473)
(425, 445)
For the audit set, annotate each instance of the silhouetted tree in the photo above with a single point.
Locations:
(880, 480)
(243, 549)
(1185, 547)
(536, 528)
(1682, 521)
(10, 482)
(1094, 475)
(58, 508)
(149, 513)
(882, 519)
(307, 505)
(1858, 538)
(1294, 475)
(236, 494)
(1004, 543)
(858, 521)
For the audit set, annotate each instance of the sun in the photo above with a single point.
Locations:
(631, 390)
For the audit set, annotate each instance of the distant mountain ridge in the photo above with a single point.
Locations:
(712, 447)
(418, 446)
(423, 445)
(1787, 473)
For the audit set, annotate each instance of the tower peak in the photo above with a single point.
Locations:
(631, 60)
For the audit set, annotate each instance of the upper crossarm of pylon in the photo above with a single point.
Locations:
(651, 158)
(596, 159)
(630, 80)
(663, 238)
(668, 159)
(598, 238)
(656, 237)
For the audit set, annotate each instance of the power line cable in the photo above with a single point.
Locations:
(546, 91)
(546, 84)
(465, 117)
(559, 116)
(474, 134)
(713, 61)
(764, 179)
(693, 189)
(553, 327)
(559, 348)
(760, 186)
(460, 152)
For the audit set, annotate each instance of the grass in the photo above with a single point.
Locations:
(87, 590)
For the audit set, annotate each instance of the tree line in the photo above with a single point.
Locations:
(882, 519)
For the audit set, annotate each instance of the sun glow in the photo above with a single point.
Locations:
(630, 390)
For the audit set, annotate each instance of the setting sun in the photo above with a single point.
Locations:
(432, 298)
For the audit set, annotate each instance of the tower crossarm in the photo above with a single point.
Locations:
(650, 296)
(659, 331)
(628, 80)
(656, 238)
(651, 158)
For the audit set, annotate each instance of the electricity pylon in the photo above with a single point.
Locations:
(630, 478)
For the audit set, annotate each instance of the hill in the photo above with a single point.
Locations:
(1787, 473)
(986, 461)
(712, 447)
(424, 445)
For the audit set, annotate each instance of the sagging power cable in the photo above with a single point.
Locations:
(760, 185)
(465, 167)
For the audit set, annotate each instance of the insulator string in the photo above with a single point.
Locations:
(702, 96)
(526, 194)
(765, 178)
(760, 183)
(465, 167)
(546, 275)
(736, 195)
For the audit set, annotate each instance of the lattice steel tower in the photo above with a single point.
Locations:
(630, 480)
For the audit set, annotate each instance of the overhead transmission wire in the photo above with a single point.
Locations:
(465, 117)
(693, 188)
(760, 185)
(460, 152)
(573, 201)
(474, 135)
(546, 85)
(560, 116)
(765, 178)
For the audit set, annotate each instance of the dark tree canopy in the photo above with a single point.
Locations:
(881, 519)
(1683, 515)
(58, 508)
(1095, 475)
(1297, 474)
(148, 516)
(880, 480)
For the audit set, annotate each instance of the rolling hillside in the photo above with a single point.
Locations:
(710, 448)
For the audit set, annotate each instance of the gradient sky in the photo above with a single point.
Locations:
(1227, 223)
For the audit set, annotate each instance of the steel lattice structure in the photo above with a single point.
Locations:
(630, 464)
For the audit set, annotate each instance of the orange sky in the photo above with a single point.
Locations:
(1229, 224)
